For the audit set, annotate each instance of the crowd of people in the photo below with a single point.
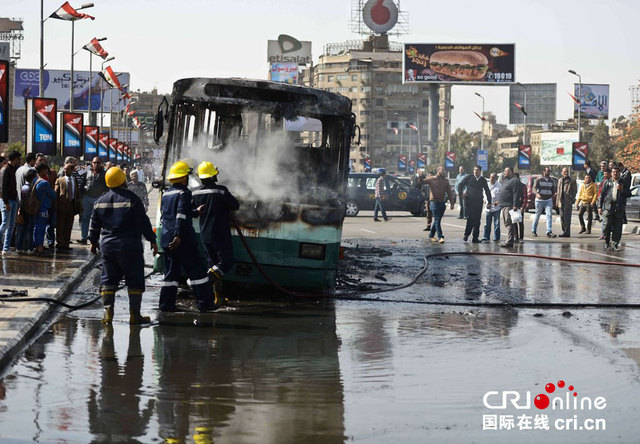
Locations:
(602, 198)
(40, 203)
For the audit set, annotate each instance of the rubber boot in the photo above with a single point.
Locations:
(218, 299)
(135, 300)
(108, 300)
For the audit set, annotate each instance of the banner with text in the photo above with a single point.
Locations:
(449, 160)
(594, 101)
(90, 142)
(103, 146)
(72, 124)
(555, 148)
(41, 126)
(580, 154)
(524, 157)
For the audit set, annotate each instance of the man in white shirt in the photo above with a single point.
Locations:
(492, 212)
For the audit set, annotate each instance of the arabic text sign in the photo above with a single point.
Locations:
(594, 101)
(555, 148)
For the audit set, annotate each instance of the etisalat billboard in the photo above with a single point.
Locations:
(57, 83)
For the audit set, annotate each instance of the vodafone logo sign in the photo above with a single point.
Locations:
(380, 15)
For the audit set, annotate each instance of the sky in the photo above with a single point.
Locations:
(160, 41)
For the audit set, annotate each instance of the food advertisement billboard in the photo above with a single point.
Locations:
(594, 101)
(556, 148)
(458, 63)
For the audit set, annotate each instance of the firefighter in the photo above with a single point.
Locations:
(217, 202)
(117, 223)
(180, 244)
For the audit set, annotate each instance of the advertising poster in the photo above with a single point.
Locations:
(482, 159)
(594, 101)
(284, 73)
(120, 151)
(90, 142)
(367, 165)
(72, 124)
(402, 162)
(449, 160)
(458, 63)
(41, 126)
(422, 160)
(113, 142)
(580, 154)
(57, 84)
(4, 101)
(524, 157)
(103, 146)
(412, 166)
(555, 148)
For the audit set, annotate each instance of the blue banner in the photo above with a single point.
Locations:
(524, 157)
(483, 159)
(402, 162)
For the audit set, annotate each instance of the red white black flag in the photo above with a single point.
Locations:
(66, 12)
(479, 116)
(111, 78)
(520, 107)
(95, 48)
(575, 99)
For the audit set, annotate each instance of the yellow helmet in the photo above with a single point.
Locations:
(207, 170)
(115, 177)
(179, 170)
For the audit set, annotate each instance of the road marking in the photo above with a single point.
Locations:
(454, 225)
(367, 231)
(417, 218)
(601, 254)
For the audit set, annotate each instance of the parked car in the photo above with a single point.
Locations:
(399, 195)
(635, 179)
(633, 203)
(529, 180)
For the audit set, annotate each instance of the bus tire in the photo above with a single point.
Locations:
(352, 208)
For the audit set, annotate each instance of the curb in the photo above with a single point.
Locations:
(24, 334)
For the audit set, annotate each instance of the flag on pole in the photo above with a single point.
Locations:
(575, 99)
(136, 122)
(395, 130)
(520, 107)
(66, 12)
(131, 113)
(479, 116)
(413, 127)
(111, 78)
(94, 47)
(126, 108)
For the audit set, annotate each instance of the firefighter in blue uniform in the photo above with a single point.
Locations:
(118, 222)
(180, 243)
(215, 233)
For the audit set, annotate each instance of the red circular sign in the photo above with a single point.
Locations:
(380, 15)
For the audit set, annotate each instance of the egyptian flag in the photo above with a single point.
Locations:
(520, 107)
(136, 122)
(111, 78)
(479, 116)
(575, 99)
(413, 127)
(395, 130)
(66, 12)
(94, 47)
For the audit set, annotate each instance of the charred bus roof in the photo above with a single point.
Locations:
(261, 94)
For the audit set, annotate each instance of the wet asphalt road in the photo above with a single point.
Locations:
(377, 371)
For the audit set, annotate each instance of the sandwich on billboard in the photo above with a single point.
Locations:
(594, 101)
(485, 63)
(556, 148)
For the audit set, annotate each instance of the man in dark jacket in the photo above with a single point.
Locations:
(180, 244)
(565, 197)
(94, 187)
(470, 189)
(9, 196)
(117, 224)
(509, 200)
(217, 202)
(613, 201)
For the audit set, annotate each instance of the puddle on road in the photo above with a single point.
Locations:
(362, 371)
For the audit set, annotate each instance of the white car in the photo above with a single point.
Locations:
(633, 203)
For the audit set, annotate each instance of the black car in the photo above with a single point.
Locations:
(398, 196)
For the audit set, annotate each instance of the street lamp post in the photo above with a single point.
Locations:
(73, 21)
(524, 115)
(482, 120)
(571, 71)
(41, 72)
(102, 95)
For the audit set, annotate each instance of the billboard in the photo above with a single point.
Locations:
(103, 146)
(594, 101)
(367, 164)
(524, 157)
(4, 101)
(580, 155)
(402, 162)
(284, 73)
(41, 126)
(72, 124)
(288, 50)
(422, 160)
(412, 166)
(113, 142)
(540, 104)
(458, 63)
(57, 83)
(555, 148)
(483, 159)
(449, 160)
(90, 142)
(119, 151)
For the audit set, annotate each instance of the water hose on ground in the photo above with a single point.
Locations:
(352, 296)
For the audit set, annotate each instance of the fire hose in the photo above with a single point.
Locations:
(352, 296)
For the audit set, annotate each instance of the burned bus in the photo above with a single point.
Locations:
(283, 151)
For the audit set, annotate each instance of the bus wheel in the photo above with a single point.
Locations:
(352, 208)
